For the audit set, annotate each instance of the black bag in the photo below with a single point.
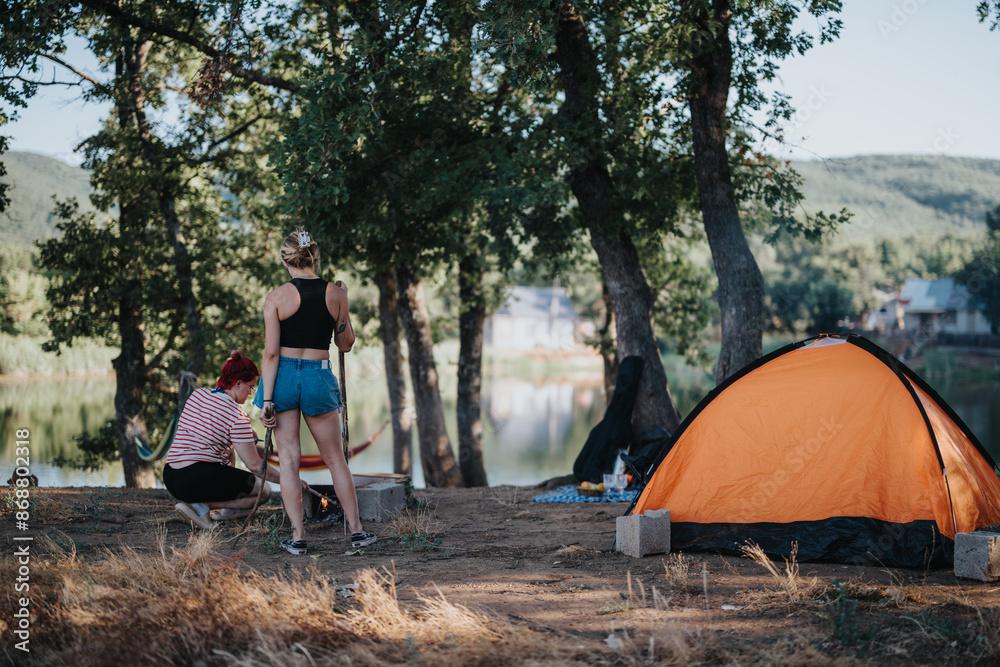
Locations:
(614, 432)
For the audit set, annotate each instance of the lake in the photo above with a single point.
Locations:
(534, 420)
(532, 428)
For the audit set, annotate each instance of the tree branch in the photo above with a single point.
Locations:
(236, 132)
(414, 22)
(116, 12)
(206, 158)
(158, 359)
(22, 79)
(86, 77)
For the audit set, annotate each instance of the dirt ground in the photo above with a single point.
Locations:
(549, 568)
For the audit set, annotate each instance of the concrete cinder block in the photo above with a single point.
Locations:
(639, 535)
(977, 556)
(380, 501)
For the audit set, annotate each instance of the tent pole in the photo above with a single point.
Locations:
(951, 505)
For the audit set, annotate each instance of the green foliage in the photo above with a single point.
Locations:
(981, 275)
(683, 306)
(22, 354)
(272, 527)
(993, 220)
(94, 451)
(989, 10)
(22, 292)
(420, 542)
(812, 288)
(396, 154)
(902, 195)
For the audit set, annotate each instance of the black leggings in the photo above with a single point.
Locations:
(205, 482)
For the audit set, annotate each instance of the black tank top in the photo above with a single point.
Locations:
(312, 324)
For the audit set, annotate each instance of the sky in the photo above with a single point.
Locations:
(905, 77)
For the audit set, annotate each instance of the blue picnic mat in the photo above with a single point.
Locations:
(568, 494)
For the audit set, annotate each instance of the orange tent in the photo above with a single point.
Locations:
(833, 444)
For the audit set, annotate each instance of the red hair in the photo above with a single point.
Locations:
(235, 369)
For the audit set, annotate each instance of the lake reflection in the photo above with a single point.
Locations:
(533, 429)
(54, 411)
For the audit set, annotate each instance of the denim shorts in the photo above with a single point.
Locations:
(304, 384)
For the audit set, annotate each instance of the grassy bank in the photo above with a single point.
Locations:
(22, 355)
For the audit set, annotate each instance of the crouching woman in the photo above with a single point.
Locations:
(200, 468)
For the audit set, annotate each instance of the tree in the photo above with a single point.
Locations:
(981, 276)
(167, 195)
(389, 325)
(362, 165)
(728, 49)
(601, 132)
(989, 10)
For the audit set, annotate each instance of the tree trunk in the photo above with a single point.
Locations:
(436, 455)
(130, 375)
(606, 343)
(741, 286)
(459, 18)
(399, 402)
(600, 206)
(134, 61)
(130, 365)
(470, 370)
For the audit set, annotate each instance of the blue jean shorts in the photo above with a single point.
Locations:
(304, 384)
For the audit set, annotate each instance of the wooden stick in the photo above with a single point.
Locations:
(345, 435)
(268, 446)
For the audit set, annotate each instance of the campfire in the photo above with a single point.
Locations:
(321, 510)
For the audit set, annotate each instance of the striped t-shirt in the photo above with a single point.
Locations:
(210, 424)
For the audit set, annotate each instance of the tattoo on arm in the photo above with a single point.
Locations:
(342, 328)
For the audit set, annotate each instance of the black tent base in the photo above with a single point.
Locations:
(849, 540)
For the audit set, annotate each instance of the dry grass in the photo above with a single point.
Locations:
(669, 643)
(792, 585)
(190, 605)
(176, 606)
(419, 521)
(678, 572)
(573, 553)
(43, 506)
(987, 633)
(506, 496)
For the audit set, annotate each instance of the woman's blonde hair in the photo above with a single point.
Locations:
(299, 250)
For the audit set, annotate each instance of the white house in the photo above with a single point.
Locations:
(887, 315)
(940, 306)
(532, 317)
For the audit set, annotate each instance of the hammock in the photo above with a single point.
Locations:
(150, 454)
(315, 461)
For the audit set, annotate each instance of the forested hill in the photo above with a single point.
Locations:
(902, 194)
(34, 179)
(889, 194)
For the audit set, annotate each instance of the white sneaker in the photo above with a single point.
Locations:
(190, 513)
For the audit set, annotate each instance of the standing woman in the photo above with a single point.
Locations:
(301, 318)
